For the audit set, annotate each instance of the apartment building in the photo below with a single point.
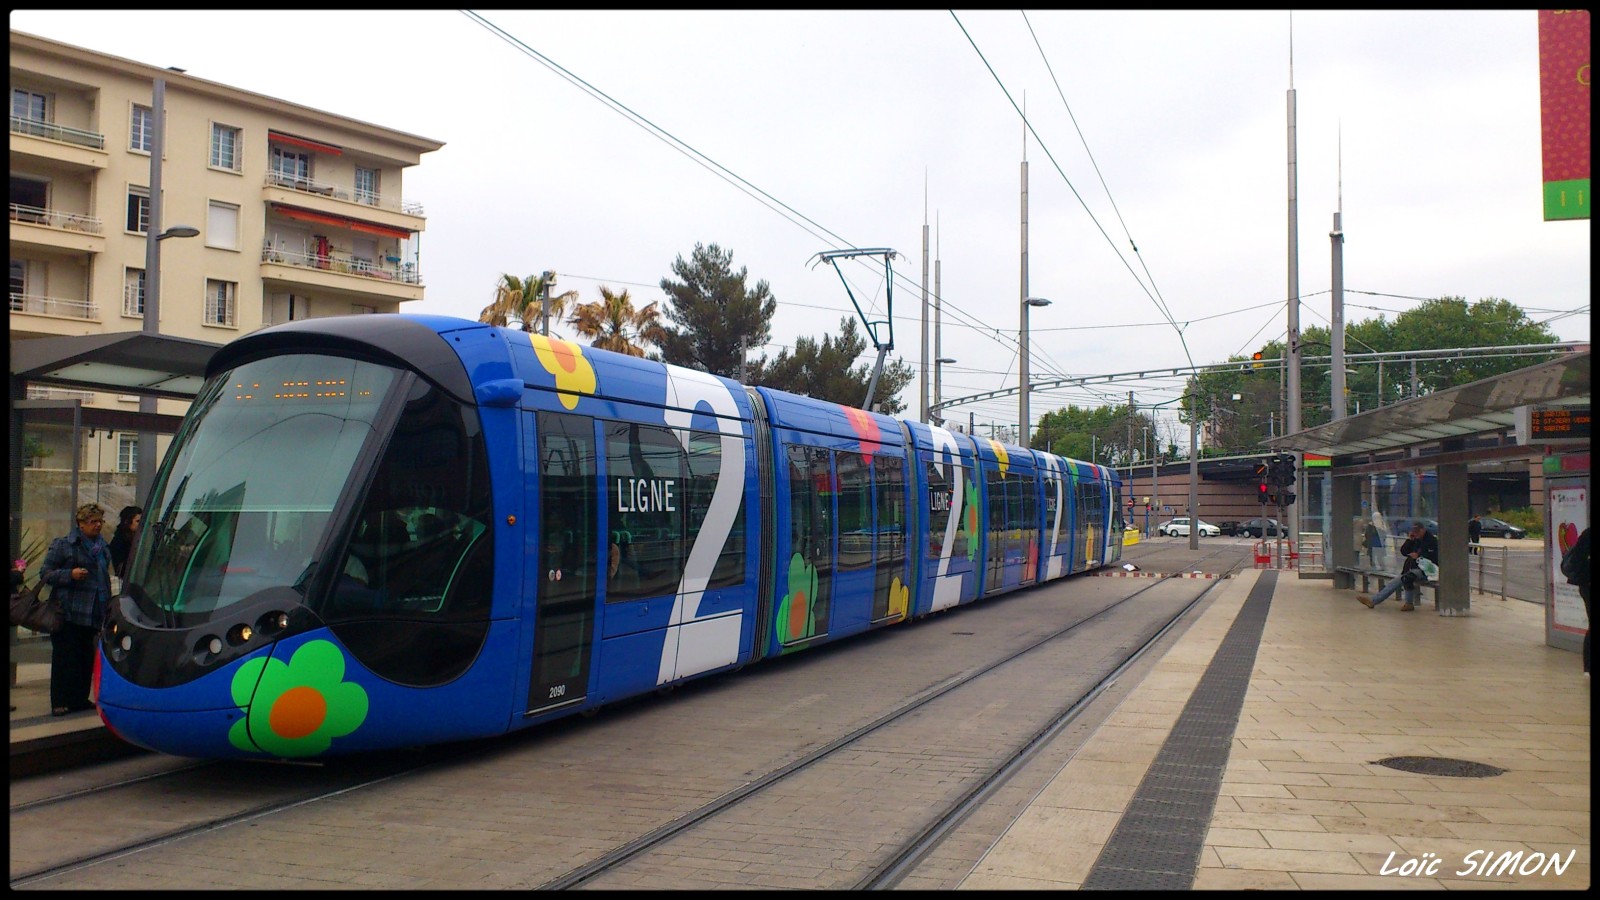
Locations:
(300, 213)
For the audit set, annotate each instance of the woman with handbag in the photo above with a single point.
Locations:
(78, 569)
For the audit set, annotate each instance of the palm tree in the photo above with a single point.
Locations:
(611, 323)
(520, 300)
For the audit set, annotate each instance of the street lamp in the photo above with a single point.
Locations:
(937, 363)
(1022, 371)
(152, 276)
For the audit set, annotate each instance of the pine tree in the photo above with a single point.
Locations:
(713, 317)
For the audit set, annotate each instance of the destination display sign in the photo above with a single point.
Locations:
(1555, 423)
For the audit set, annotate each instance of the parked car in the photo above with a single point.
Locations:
(1230, 529)
(1402, 527)
(1179, 527)
(1258, 528)
(1501, 528)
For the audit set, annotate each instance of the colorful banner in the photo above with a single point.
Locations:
(1564, 111)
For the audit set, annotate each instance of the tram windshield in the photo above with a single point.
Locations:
(254, 476)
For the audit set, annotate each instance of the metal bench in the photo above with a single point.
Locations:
(1382, 577)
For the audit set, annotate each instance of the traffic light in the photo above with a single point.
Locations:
(1263, 495)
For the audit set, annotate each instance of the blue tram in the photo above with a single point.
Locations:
(388, 531)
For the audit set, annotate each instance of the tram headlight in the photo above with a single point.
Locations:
(240, 634)
(214, 646)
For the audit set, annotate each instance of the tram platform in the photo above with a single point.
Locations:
(1284, 789)
(1292, 795)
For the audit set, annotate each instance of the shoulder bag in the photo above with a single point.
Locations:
(36, 613)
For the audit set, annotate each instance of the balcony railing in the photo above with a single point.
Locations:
(340, 192)
(55, 218)
(50, 131)
(54, 306)
(405, 274)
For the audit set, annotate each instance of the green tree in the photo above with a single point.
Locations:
(828, 371)
(713, 317)
(1109, 435)
(612, 323)
(521, 300)
(1442, 323)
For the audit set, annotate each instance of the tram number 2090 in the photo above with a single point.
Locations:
(559, 690)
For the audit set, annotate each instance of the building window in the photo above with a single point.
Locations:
(224, 147)
(220, 297)
(222, 226)
(138, 210)
(367, 186)
(29, 105)
(133, 292)
(139, 132)
(358, 309)
(21, 277)
(291, 167)
(127, 453)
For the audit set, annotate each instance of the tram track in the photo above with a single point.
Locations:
(203, 799)
(893, 869)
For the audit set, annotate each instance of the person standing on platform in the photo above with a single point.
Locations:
(128, 524)
(1575, 565)
(78, 569)
(1474, 535)
(1372, 539)
(1419, 546)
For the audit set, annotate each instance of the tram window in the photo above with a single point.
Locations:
(941, 502)
(705, 471)
(411, 596)
(855, 512)
(647, 495)
(888, 480)
(811, 497)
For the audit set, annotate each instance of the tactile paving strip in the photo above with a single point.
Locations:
(1156, 845)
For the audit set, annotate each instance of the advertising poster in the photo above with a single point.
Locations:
(1569, 516)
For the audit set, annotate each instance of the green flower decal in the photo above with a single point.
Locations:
(298, 708)
(969, 518)
(797, 610)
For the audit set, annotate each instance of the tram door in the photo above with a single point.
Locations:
(568, 561)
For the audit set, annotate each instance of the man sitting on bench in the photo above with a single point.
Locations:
(1420, 545)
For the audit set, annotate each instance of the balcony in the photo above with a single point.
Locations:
(54, 306)
(47, 140)
(57, 229)
(387, 210)
(349, 276)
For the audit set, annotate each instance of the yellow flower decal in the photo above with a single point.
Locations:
(296, 709)
(1000, 454)
(565, 361)
(899, 598)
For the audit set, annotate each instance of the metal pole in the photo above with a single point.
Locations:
(1292, 363)
(145, 466)
(938, 352)
(1022, 358)
(1336, 323)
(923, 390)
(1130, 436)
(546, 280)
(1194, 471)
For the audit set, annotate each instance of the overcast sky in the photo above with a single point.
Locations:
(860, 126)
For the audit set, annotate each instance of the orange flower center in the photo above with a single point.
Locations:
(299, 712)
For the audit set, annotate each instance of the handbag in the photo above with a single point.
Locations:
(33, 612)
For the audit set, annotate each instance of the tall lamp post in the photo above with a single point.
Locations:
(152, 277)
(1022, 370)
